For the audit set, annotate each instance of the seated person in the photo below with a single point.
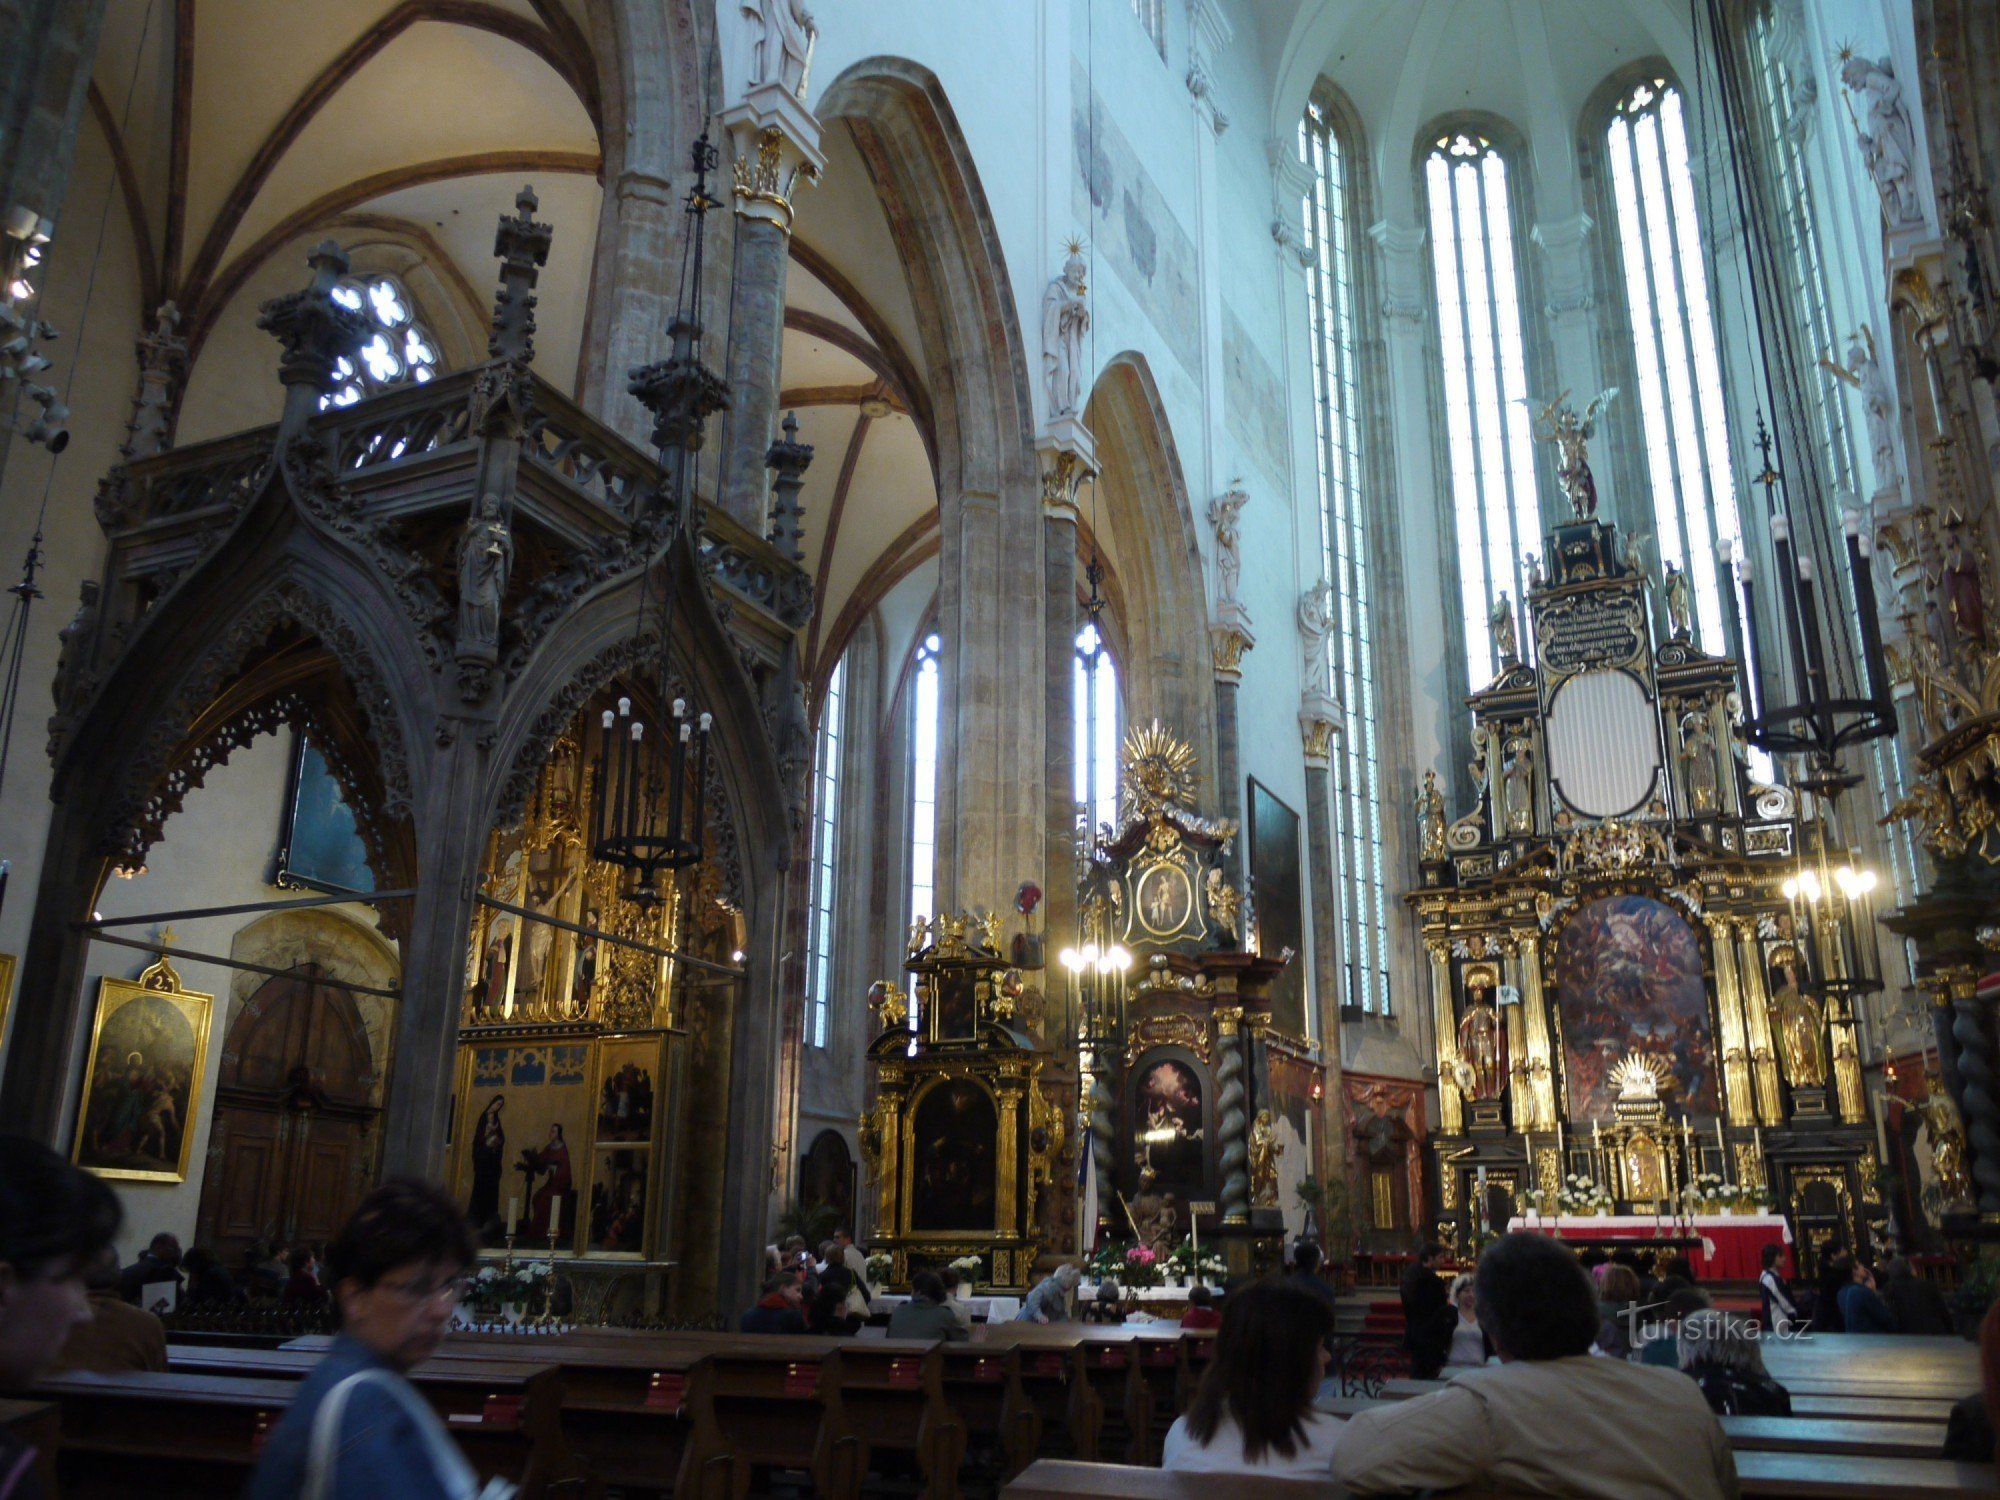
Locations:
(1719, 1349)
(1915, 1303)
(160, 1262)
(925, 1315)
(1201, 1311)
(1549, 1418)
(119, 1337)
(1780, 1310)
(208, 1282)
(1836, 1273)
(357, 1429)
(1107, 1307)
(1663, 1346)
(831, 1312)
(1305, 1271)
(952, 1281)
(303, 1289)
(1862, 1309)
(1617, 1295)
(1253, 1411)
(1048, 1302)
(779, 1309)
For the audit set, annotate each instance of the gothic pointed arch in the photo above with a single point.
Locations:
(1146, 524)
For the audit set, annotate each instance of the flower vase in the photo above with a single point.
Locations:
(1603, 1211)
(512, 1313)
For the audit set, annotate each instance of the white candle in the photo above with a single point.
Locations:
(1723, 1146)
(555, 1214)
(513, 1215)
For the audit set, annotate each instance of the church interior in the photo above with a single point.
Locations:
(1074, 633)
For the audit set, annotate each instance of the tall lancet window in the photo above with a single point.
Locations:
(924, 707)
(1497, 513)
(1360, 885)
(825, 857)
(1673, 342)
(1096, 682)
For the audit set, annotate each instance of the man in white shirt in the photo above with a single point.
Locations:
(1549, 1418)
(855, 1261)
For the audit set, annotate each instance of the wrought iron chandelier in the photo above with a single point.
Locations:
(641, 821)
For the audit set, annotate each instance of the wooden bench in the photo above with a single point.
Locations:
(1762, 1474)
(1825, 1435)
(894, 1391)
(199, 1435)
(1056, 1381)
(39, 1425)
(982, 1383)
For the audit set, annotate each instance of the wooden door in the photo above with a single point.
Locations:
(289, 1150)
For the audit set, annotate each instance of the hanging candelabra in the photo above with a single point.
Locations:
(641, 820)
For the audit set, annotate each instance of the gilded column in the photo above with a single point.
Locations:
(1007, 1201)
(1451, 1108)
(1738, 1099)
(1232, 1120)
(1535, 1023)
(1757, 1021)
(1520, 1070)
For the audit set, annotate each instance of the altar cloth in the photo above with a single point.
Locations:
(1731, 1249)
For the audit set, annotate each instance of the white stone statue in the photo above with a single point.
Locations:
(1888, 144)
(1863, 371)
(765, 42)
(1315, 624)
(1065, 320)
(1223, 511)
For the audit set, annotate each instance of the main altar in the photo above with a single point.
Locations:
(1620, 987)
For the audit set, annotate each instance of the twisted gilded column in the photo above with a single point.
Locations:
(1231, 1116)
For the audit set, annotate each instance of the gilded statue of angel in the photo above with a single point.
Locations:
(1559, 423)
(1222, 901)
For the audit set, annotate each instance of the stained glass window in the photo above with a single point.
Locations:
(1096, 686)
(398, 348)
(826, 826)
(923, 779)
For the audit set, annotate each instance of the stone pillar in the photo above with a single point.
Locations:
(1068, 456)
(1229, 638)
(777, 145)
(638, 251)
(1319, 723)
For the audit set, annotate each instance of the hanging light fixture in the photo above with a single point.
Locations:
(641, 821)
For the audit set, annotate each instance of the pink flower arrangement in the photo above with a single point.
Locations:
(1141, 1255)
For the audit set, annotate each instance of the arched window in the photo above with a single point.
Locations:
(1096, 684)
(923, 779)
(825, 856)
(398, 348)
(1494, 501)
(1344, 562)
(1674, 348)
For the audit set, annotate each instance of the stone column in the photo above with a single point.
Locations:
(1319, 723)
(777, 145)
(1232, 1119)
(638, 250)
(1229, 638)
(1068, 456)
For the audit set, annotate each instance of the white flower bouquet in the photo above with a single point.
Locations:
(1581, 1194)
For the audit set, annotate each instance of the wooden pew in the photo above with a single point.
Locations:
(1828, 1436)
(639, 1417)
(759, 1384)
(1056, 1381)
(893, 1390)
(982, 1383)
(39, 1425)
(198, 1435)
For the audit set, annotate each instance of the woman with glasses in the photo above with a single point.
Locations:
(358, 1430)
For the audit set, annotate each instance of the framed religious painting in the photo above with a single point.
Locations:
(143, 1078)
(319, 844)
(1280, 903)
(523, 1153)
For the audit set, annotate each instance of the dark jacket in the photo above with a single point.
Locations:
(143, 1272)
(1862, 1310)
(1968, 1433)
(1737, 1393)
(1916, 1304)
(772, 1315)
(1423, 1292)
(917, 1319)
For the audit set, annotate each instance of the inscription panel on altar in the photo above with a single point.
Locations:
(1589, 632)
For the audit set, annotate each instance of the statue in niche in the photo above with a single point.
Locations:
(1482, 1039)
(1500, 620)
(1796, 1019)
(1223, 514)
(1947, 1133)
(1065, 320)
(1888, 145)
(1680, 604)
(1863, 371)
(780, 34)
(1560, 424)
(485, 558)
(1518, 781)
(1698, 756)
(1315, 624)
(1958, 585)
(1265, 1149)
(1430, 817)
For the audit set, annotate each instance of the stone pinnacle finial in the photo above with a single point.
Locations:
(789, 458)
(522, 244)
(316, 330)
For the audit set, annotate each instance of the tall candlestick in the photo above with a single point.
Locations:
(513, 1215)
(1723, 1146)
(555, 1214)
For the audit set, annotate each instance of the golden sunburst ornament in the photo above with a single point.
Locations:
(1159, 767)
(1640, 1076)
